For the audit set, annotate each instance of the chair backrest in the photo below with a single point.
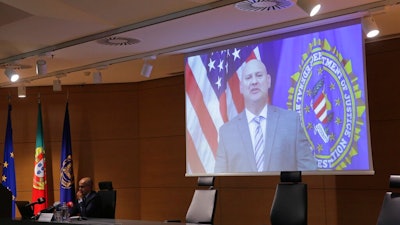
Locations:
(289, 206)
(202, 207)
(6, 202)
(389, 214)
(105, 185)
(108, 198)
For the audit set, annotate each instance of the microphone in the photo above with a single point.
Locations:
(50, 209)
(38, 201)
(70, 204)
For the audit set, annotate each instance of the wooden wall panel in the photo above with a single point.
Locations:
(162, 108)
(165, 203)
(128, 203)
(162, 163)
(317, 206)
(238, 206)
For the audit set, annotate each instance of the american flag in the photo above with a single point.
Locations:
(212, 98)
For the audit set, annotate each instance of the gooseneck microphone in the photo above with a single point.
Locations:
(50, 209)
(38, 201)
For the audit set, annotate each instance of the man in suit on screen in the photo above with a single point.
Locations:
(262, 137)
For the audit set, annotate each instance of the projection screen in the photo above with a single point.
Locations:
(317, 73)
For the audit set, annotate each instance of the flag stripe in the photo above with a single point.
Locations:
(202, 147)
(193, 157)
(205, 119)
(237, 97)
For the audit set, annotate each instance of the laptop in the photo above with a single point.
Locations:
(26, 212)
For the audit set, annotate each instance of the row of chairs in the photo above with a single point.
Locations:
(289, 206)
(200, 211)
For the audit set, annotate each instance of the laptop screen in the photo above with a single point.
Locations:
(26, 212)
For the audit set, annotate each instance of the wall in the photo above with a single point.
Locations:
(134, 135)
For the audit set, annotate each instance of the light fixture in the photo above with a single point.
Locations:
(147, 67)
(11, 74)
(41, 67)
(369, 26)
(21, 91)
(57, 85)
(311, 7)
(97, 77)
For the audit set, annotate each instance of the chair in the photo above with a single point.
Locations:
(389, 214)
(202, 206)
(108, 199)
(289, 206)
(6, 202)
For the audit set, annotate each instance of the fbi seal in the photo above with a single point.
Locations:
(326, 94)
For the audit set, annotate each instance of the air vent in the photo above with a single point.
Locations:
(118, 41)
(263, 5)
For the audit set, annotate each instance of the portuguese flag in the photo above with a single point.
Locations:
(39, 176)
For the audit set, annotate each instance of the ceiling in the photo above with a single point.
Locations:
(77, 38)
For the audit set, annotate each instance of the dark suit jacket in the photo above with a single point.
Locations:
(91, 207)
(286, 146)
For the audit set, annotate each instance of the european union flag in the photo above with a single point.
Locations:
(8, 177)
(67, 182)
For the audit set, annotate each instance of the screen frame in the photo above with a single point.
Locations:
(282, 36)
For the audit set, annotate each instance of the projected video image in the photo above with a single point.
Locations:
(293, 103)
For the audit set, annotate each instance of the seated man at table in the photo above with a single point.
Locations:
(88, 202)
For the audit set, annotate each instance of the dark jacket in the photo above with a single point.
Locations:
(90, 207)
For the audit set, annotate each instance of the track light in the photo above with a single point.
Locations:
(41, 67)
(311, 7)
(11, 74)
(57, 85)
(147, 67)
(369, 26)
(97, 77)
(21, 91)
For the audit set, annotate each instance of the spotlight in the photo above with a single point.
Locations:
(41, 67)
(146, 69)
(11, 74)
(311, 7)
(57, 85)
(97, 77)
(369, 26)
(21, 91)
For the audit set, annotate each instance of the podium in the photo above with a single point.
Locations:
(6, 201)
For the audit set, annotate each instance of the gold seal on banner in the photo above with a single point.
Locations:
(326, 94)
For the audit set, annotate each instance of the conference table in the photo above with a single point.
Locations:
(92, 221)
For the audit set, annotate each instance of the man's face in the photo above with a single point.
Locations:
(255, 82)
(84, 187)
